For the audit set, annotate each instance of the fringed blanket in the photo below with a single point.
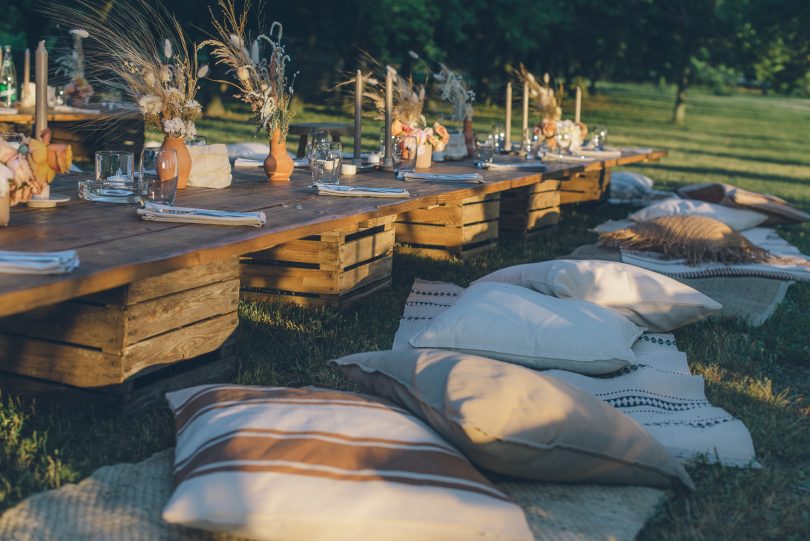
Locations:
(658, 391)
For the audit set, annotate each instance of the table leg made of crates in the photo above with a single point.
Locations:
(127, 346)
(589, 186)
(457, 229)
(335, 268)
(530, 209)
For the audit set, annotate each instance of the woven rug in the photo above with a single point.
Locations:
(749, 298)
(658, 391)
(796, 265)
(124, 502)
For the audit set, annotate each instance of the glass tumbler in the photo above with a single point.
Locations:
(159, 175)
(484, 150)
(327, 159)
(405, 147)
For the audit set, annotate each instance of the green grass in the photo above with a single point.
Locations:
(759, 375)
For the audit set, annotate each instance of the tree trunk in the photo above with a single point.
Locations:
(679, 112)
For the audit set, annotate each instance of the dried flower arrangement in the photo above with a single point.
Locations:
(408, 105)
(454, 91)
(545, 99)
(148, 55)
(78, 90)
(259, 78)
(32, 166)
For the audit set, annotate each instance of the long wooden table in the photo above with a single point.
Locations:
(116, 248)
(148, 295)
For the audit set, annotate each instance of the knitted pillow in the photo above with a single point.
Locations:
(694, 238)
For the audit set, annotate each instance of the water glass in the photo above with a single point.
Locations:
(326, 162)
(315, 139)
(484, 150)
(598, 137)
(159, 175)
(14, 140)
(404, 150)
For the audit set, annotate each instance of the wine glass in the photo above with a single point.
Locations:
(315, 139)
(599, 137)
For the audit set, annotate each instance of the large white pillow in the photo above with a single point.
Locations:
(646, 298)
(629, 185)
(736, 219)
(288, 464)
(515, 324)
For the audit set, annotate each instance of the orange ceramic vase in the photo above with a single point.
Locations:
(278, 166)
(183, 159)
(468, 137)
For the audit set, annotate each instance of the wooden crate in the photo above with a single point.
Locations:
(107, 340)
(530, 209)
(336, 268)
(450, 230)
(588, 186)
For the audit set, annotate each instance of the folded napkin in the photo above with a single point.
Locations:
(164, 213)
(360, 191)
(7, 111)
(247, 163)
(78, 110)
(600, 154)
(551, 157)
(516, 166)
(38, 262)
(210, 167)
(446, 177)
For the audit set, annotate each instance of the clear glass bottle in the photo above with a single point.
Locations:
(8, 79)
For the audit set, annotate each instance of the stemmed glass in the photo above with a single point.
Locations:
(404, 150)
(563, 142)
(317, 138)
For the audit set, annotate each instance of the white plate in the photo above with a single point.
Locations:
(46, 203)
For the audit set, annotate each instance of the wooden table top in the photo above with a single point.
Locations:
(27, 117)
(116, 248)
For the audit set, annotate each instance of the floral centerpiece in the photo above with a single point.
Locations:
(259, 74)
(144, 52)
(454, 91)
(28, 170)
(407, 113)
(546, 102)
(78, 91)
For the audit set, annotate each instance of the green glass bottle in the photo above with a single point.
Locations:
(8, 79)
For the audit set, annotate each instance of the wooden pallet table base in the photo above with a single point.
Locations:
(530, 209)
(111, 343)
(586, 187)
(450, 230)
(335, 269)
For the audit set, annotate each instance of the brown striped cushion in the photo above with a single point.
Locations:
(315, 464)
(516, 421)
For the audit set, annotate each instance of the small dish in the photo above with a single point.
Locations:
(46, 203)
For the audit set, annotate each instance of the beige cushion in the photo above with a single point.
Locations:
(694, 238)
(515, 324)
(646, 298)
(516, 421)
(737, 219)
(314, 464)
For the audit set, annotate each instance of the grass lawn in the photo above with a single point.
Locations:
(758, 375)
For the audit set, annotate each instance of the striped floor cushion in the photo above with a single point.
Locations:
(315, 464)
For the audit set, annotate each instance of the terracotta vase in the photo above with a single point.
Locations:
(469, 138)
(424, 156)
(183, 159)
(278, 166)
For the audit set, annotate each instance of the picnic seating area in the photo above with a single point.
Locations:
(429, 321)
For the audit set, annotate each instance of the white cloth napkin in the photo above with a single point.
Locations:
(246, 163)
(361, 191)
(210, 167)
(164, 213)
(516, 166)
(7, 111)
(551, 157)
(600, 154)
(446, 177)
(38, 262)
